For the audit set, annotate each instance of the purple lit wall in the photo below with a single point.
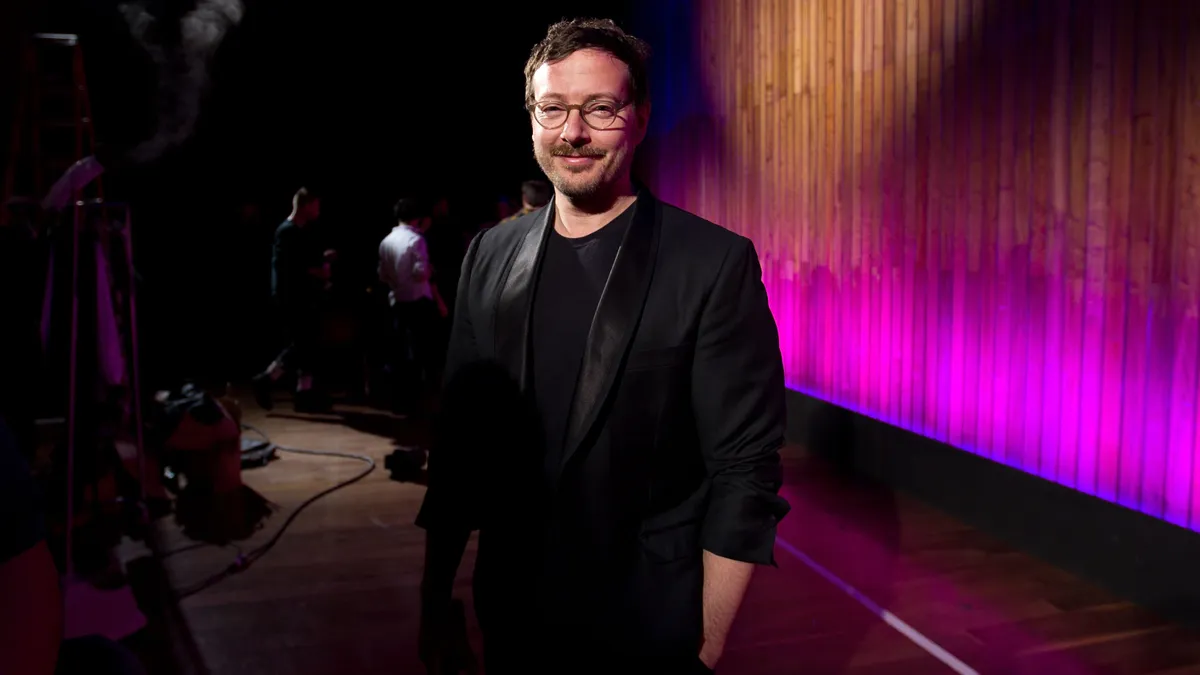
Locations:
(978, 220)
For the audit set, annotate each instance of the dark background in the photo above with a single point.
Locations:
(362, 101)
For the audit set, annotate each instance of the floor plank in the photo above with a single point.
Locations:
(338, 593)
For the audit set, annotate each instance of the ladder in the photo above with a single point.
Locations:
(52, 128)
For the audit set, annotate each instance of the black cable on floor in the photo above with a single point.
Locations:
(244, 561)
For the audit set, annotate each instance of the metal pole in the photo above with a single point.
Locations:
(127, 236)
(72, 388)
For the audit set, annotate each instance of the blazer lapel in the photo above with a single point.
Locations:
(615, 320)
(513, 313)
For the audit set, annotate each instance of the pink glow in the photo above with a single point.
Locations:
(989, 236)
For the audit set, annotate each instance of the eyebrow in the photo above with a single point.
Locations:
(553, 96)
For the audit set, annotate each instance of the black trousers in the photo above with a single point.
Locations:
(302, 331)
(413, 364)
(591, 657)
(519, 639)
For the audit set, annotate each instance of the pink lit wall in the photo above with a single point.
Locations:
(978, 220)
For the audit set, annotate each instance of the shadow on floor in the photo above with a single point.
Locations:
(405, 431)
(166, 644)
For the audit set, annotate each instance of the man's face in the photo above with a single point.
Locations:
(579, 160)
(312, 210)
(441, 208)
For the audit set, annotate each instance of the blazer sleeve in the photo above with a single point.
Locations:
(451, 496)
(738, 398)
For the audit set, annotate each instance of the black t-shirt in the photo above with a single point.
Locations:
(569, 285)
(297, 249)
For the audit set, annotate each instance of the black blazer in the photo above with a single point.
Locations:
(672, 441)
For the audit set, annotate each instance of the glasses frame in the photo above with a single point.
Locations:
(531, 108)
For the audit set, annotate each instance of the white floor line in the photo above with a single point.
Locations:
(935, 650)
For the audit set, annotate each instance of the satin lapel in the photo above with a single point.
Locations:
(615, 320)
(513, 310)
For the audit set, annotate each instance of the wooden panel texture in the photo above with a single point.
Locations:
(977, 219)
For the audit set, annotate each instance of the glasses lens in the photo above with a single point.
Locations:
(599, 118)
(551, 116)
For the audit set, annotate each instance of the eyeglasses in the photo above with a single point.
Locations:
(599, 114)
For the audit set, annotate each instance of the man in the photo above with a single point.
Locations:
(534, 195)
(404, 266)
(300, 272)
(446, 245)
(614, 406)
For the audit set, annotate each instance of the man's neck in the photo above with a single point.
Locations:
(575, 219)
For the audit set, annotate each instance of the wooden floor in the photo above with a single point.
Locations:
(867, 582)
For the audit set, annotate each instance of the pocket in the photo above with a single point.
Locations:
(673, 544)
(675, 532)
(662, 357)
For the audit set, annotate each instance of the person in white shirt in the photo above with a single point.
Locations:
(404, 266)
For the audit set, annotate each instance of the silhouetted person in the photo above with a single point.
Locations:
(534, 195)
(631, 486)
(299, 276)
(405, 267)
(444, 237)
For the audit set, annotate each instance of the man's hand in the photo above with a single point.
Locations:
(439, 610)
(710, 654)
(330, 255)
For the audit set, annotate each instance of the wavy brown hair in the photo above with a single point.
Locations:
(567, 37)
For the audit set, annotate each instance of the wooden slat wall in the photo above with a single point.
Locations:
(978, 219)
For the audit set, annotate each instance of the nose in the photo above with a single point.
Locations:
(575, 132)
